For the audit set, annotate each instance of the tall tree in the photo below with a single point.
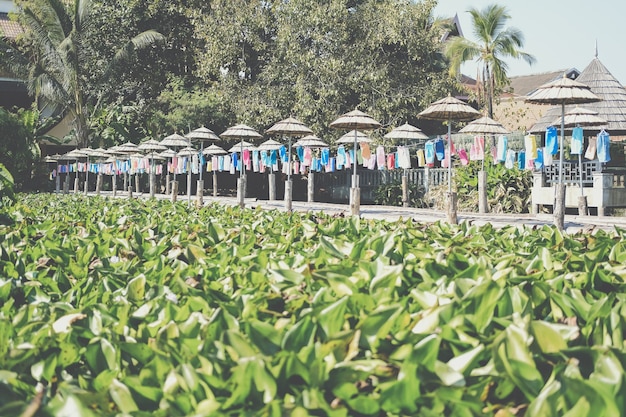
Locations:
(54, 57)
(319, 59)
(495, 42)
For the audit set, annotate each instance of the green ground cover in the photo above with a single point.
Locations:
(128, 307)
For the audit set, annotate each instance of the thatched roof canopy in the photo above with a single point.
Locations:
(612, 108)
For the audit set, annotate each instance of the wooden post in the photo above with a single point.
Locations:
(199, 193)
(405, 190)
(137, 182)
(559, 206)
(167, 182)
(114, 184)
(271, 180)
(355, 201)
(310, 187)
(288, 187)
(130, 191)
(483, 206)
(174, 191)
(241, 191)
(76, 187)
(98, 183)
(452, 212)
(215, 183)
(582, 205)
(57, 183)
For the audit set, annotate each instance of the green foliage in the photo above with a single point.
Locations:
(494, 43)
(222, 311)
(53, 57)
(7, 192)
(317, 60)
(508, 190)
(18, 148)
(391, 195)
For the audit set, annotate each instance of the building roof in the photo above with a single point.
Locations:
(612, 108)
(526, 84)
(8, 27)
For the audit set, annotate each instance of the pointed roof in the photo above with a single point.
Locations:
(612, 108)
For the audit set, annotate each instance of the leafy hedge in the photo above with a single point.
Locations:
(143, 308)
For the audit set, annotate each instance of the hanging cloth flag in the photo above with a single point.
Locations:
(502, 148)
(539, 159)
(341, 157)
(283, 154)
(530, 143)
(576, 146)
(521, 159)
(479, 148)
(590, 153)
(429, 152)
(552, 144)
(509, 162)
(603, 147)
(421, 159)
(439, 149)
(463, 157)
(380, 157)
(404, 157)
(365, 150)
(325, 156)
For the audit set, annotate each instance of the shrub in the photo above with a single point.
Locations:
(391, 195)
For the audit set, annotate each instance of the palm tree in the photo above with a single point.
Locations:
(53, 58)
(495, 43)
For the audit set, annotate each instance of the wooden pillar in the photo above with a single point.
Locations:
(98, 183)
(288, 187)
(199, 193)
(271, 180)
(559, 207)
(76, 185)
(174, 191)
(452, 209)
(355, 201)
(215, 183)
(405, 190)
(483, 206)
(310, 187)
(130, 191)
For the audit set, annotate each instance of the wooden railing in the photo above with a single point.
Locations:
(337, 184)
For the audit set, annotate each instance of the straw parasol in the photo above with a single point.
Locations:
(289, 127)
(356, 120)
(581, 117)
(175, 141)
(562, 91)
(269, 145)
(485, 126)
(241, 132)
(349, 137)
(189, 152)
(241, 146)
(311, 141)
(405, 133)
(152, 146)
(214, 150)
(448, 109)
(202, 134)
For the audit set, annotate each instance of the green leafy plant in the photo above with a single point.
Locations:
(108, 309)
(391, 195)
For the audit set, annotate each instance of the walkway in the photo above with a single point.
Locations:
(573, 223)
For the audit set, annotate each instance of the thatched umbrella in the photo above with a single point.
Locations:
(152, 146)
(241, 132)
(202, 135)
(289, 127)
(483, 126)
(448, 109)
(405, 133)
(580, 117)
(214, 150)
(348, 138)
(189, 152)
(356, 120)
(562, 91)
(310, 141)
(175, 142)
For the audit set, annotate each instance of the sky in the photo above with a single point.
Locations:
(560, 34)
